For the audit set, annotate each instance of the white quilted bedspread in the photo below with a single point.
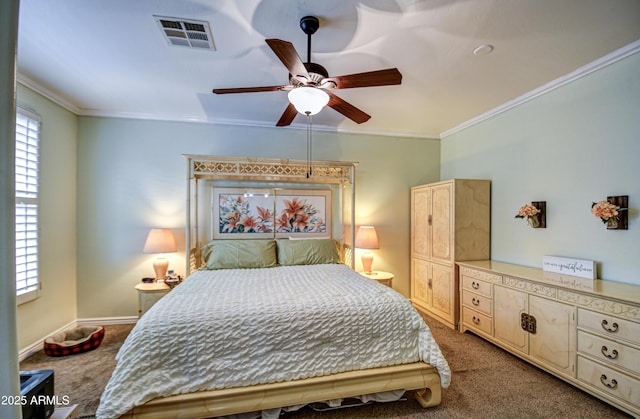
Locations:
(239, 327)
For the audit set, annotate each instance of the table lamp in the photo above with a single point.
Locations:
(160, 240)
(367, 238)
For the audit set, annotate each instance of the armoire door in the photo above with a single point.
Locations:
(442, 222)
(420, 228)
(443, 292)
(420, 282)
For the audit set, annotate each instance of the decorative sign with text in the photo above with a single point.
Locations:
(568, 266)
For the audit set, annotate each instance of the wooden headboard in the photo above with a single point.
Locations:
(206, 172)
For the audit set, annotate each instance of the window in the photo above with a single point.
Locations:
(27, 157)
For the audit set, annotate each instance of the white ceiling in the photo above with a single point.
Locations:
(108, 57)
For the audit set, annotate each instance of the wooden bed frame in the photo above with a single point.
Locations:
(418, 376)
(275, 173)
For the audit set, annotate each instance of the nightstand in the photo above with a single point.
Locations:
(149, 294)
(385, 278)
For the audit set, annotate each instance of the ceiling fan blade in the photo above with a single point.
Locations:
(289, 57)
(347, 109)
(385, 77)
(249, 89)
(288, 116)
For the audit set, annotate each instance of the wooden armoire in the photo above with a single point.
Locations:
(450, 221)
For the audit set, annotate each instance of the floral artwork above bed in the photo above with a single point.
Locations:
(303, 212)
(268, 213)
(239, 212)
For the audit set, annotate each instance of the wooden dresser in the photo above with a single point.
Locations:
(450, 221)
(586, 333)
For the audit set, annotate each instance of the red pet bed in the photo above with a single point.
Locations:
(74, 341)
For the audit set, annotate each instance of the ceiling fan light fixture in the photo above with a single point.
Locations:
(308, 100)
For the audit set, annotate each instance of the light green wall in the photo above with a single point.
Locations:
(573, 146)
(570, 147)
(132, 177)
(56, 307)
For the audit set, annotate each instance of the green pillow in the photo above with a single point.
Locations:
(307, 252)
(235, 254)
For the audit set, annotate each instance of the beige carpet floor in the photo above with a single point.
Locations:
(487, 383)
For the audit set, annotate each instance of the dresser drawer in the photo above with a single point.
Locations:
(477, 320)
(478, 286)
(477, 302)
(612, 327)
(481, 275)
(608, 351)
(609, 381)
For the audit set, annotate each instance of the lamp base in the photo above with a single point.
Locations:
(160, 266)
(367, 261)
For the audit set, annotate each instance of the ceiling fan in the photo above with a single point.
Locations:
(310, 85)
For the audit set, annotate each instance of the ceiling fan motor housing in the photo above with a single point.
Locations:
(316, 73)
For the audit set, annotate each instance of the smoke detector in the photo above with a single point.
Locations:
(186, 32)
(483, 50)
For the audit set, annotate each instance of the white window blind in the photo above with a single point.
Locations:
(26, 167)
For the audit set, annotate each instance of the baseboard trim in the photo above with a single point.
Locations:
(39, 344)
(97, 321)
(102, 321)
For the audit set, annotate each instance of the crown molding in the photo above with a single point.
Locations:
(52, 96)
(596, 65)
(39, 88)
(250, 123)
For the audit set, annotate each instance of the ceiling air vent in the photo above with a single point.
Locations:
(186, 33)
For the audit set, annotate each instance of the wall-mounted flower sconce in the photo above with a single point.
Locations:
(535, 214)
(613, 212)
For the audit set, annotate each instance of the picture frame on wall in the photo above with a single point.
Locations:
(243, 213)
(302, 213)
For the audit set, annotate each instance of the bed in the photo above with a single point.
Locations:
(265, 324)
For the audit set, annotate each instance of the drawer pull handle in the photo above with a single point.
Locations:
(475, 285)
(612, 355)
(612, 384)
(612, 329)
(476, 320)
(475, 301)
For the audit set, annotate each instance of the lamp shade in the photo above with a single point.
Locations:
(160, 240)
(308, 100)
(367, 238)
